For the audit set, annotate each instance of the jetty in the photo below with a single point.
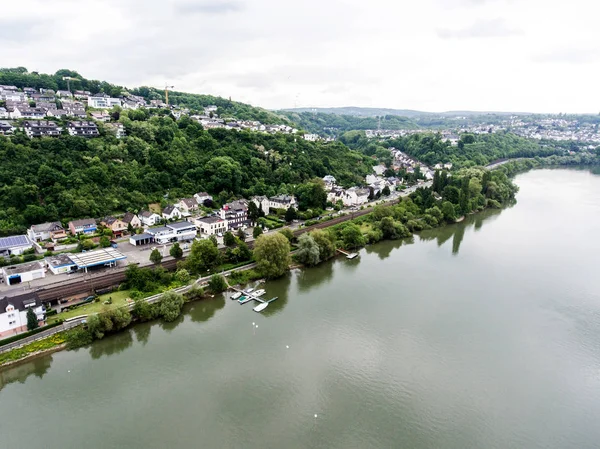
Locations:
(247, 297)
(348, 255)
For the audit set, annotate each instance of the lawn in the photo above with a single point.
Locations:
(118, 299)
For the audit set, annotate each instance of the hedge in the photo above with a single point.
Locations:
(30, 333)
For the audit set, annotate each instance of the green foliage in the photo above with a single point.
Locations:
(144, 311)
(176, 251)
(229, 239)
(272, 255)
(326, 242)
(146, 279)
(111, 320)
(170, 306)
(104, 241)
(392, 230)
(241, 235)
(308, 252)
(288, 234)
(291, 214)
(352, 236)
(203, 256)
(217, 283)
(257, 231)
(182, 276)
(311, 195)
(213, 240)
(155, 256)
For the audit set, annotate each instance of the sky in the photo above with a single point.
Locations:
(429, 55)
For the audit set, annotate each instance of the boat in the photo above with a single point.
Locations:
(259, 292)
(262, 306)
(236, 295)
(249, 290)
(245, 299)
(351, 256)
(241, 298)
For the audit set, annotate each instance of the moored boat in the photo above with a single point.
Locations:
(262, 306)
(259, 292)
(236, 295)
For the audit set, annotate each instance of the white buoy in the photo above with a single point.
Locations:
(315, 415)
(257, 326)
(287, 347)
(253, 324)
(69, 371)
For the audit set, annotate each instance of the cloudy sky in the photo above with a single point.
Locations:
(434, 55)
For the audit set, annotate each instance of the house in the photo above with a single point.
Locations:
(171, 213)
(64, 94)
(57, 113)
(83, 129)
(117, 128)
(60, 263)
(282, 202)
(379, 169)
(262, 202)
(83, 226)
(101, 101)
(173, 232)
(311, 137)
(15, 244)
(4, 113)
(81, 94)
(24, 272)
(329, 181)
(6, 128)
(186, 205)
(201, 197)
(118, 227)
(355, 196)
(149, 218)
(46, 105)
(13, 313)
(370, 179)
(236, 214)
(132, 219)
(141, 239)
(28, 112)
(102, 116)
(47, 231)
(41, 128)
(211, 225)
(75, 111)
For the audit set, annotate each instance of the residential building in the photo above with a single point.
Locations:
(13, 313)
(83, 129)
(102, 116)
(82, 94)
(6, 128)
(41, 128)
(262, 202)
(117, 128)
(28, 112)
(355, 196)
(117, 226)
(211, 225)
(24, 272)
(102, 102)
(132, 219)
(236, 214)
(46, 105)
(47, 231)
(187, 205)
(329, 181)
(282, 202)
(311, 137)
(173, 232)
(83, 226)
(14, 245)
(64, 94)
(171, 213)
(75, 111)
(149, 218)
(201, 197)
(4, 113)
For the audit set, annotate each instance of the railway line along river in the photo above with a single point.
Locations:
(483, 334)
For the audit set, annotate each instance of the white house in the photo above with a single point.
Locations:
(379, 169)
(15, 244)
(24, 272)
(149, 218)
(370, 179)
(211, 225)
(329, 181)
(13, 313)
(3, 113)
(60, 263)
(282, 202)
(47, 231)
(311, 137)
(173, 232)
(103, 102)
(355, 196)
(262, 202)
(171, 213)
(236, 214)
(201, 197)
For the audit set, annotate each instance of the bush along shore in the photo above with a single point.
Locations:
(450, 196)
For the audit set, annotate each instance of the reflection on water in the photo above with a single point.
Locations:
(19, 373)
(281, 289)
(310, 279)
(384, 251)
(456, 231)
(112, 344)
(205, 309)
(142, 332)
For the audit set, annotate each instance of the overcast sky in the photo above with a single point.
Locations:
(433, 55)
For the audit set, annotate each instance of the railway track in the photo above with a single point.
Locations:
(91, 285)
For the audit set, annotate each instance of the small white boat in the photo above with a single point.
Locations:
(236, 295)
(249, 290)
(262, 306)
(259, 292)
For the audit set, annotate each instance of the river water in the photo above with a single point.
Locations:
(484, 334)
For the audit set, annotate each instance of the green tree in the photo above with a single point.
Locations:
(217, 283)
(229, 239)
(257, 231)
(241, 235)
(155, 256)
(386, 191)
(144, 311)
(311, 195)
(448, 211)
(203, 256)
(176, 251)
(213, 240)
(290, 214)
(182, 275)
(170, 306)
(352, 236)
(308, 252)
(32, 321)
(326, 244)
(287, 232)
(272, 255)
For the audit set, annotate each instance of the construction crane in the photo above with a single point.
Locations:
(167, 93)
(68, 79)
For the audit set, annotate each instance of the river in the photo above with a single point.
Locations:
(483, 334)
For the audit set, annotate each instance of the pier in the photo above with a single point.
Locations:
(348, 255)
(250, 297)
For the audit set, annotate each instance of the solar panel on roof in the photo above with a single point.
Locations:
(15, 240)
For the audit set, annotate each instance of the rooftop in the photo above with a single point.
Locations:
(14, 241)
(98, 257)
(181, 225)
(23, 268)
(19, 302)
(59, 260)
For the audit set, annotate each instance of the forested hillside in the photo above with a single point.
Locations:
(333, 124)
(20, 77)
(73, 177)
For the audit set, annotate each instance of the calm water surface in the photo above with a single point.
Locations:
(485, 334)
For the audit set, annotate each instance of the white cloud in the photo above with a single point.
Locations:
(529, 55)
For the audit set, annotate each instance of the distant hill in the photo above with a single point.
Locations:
(378, 112)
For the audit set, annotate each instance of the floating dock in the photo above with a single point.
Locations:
(348, 255)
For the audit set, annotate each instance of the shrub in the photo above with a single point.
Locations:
(217, 283)
(170, 306)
